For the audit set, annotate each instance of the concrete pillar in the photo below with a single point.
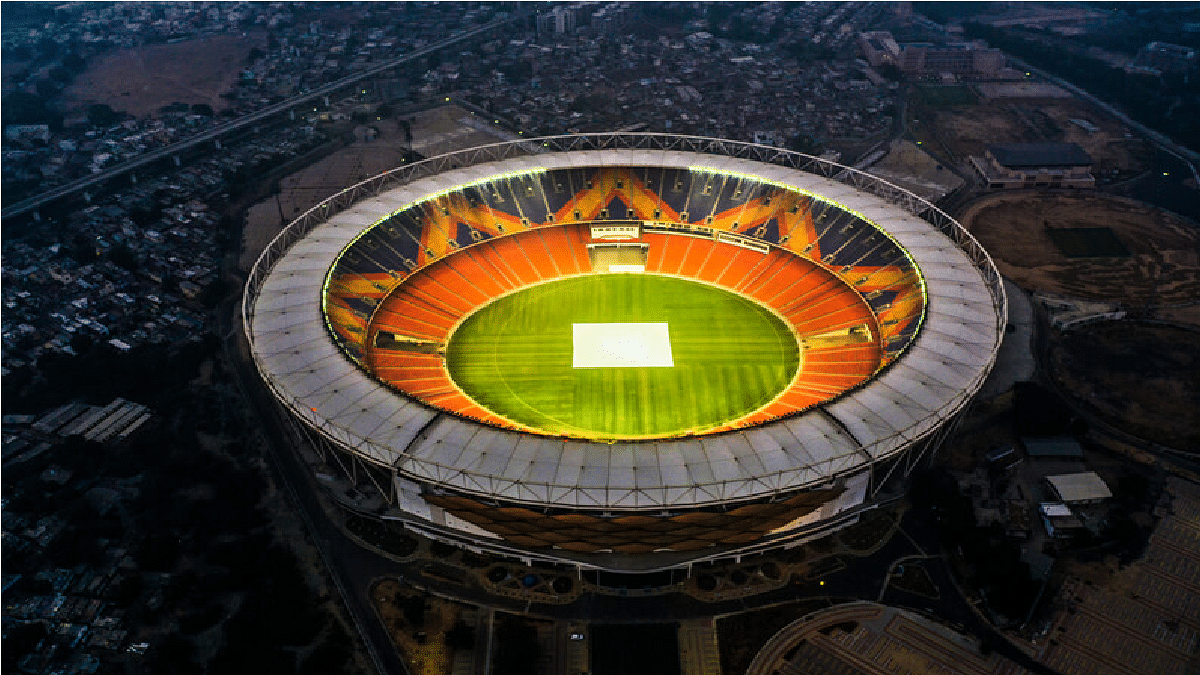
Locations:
(37, 216)
(217, 142)
(175, 158)
(292, 114)
(326, 100)
(87, 197)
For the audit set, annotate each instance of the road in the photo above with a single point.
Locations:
(227, 128)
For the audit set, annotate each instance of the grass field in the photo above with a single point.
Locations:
(730, 356)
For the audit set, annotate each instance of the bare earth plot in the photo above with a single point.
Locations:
(141, 80)
(1144, 377)
(965, 130)
(913, 169)
(1162, 268)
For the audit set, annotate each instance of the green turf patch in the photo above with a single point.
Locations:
(730, 355)
(1087, 242)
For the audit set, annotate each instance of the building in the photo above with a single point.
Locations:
(1157, 58)
(1057, 447)
(960, 59)
(1058, 519)
(561, 19)
(1079, 489)
(928, 60)
(879, 48)
(379, 418)
(1034, 165)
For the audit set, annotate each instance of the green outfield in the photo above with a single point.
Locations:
(720, 357)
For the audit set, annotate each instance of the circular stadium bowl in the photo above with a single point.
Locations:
(628, 351)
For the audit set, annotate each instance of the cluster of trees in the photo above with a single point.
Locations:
(993, 561)
(197, 516)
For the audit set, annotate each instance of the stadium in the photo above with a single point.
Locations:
(622, 351)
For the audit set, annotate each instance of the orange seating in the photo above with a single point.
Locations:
(450, 286)
(762, 273)
(559, 246)
(694, 257)
(740, 266)
(508, 253)
(718, 259)
(575, 234)
(436, 298)
(787, 284)
(534, 250)
(673, 251)
(398, 311)
(483, 255)
(474, 274)
(654, 256)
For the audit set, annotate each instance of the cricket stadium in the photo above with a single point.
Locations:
(622, 351)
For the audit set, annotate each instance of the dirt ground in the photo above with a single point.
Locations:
(141, 80)
(1144, 377)
(1021, 90)
(910, 167)
(430, 655)
(1163, 268)
(965, 130)
(434, 132)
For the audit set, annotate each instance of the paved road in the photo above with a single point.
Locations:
(221, 130)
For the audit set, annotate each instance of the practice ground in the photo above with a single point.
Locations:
(141, 80)
(1143, 378)
(949, 124)
(1162, 266)
(728, 356)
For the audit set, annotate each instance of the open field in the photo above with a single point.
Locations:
(141, 80)
(1162, 267)
(1145, 378)
(910, 167)
(965, 130)
(515, 356)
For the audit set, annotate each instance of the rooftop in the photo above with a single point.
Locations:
(1079, 487)
(1023, 155)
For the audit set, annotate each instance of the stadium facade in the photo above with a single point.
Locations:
(897, 310)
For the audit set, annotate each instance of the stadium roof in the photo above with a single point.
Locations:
(937, 376)
(1031, 155)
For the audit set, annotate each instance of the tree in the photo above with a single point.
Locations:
(74, 63)
(804, 143)
(101, 115)
(122, 256)
(61, 75)
(202, 109)
(46, 88)
(22, 107)
(461, 636)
